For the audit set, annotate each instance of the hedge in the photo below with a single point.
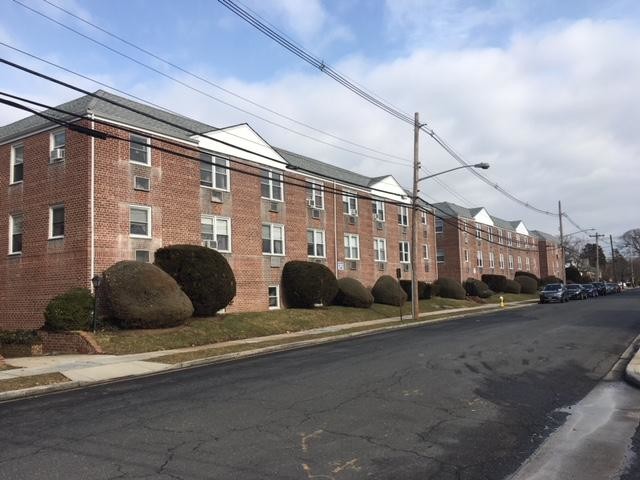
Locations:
(512, 286)
(520, 273)
(424, 289)
(351, 293)
(477, 288)
(387, 290)
(550, 279)
(497, 283)
(70, 311)
(528, 284)
(450, 288)
(305, 284)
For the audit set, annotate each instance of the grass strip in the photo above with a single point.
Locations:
(20, 383)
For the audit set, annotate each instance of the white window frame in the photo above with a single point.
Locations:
(215, 168)
(423, 218)
(12, 219)
(479, 231)
(351, 202)
(465, 255)
(149, 221)
(439, 225)
(440, 255)
(517, 241)
(378, 211)
(147, 148)
(52, 139)
(527, 263)
(490, 234)
(351, 241)
(267, 178)
(315, 233)
(403, 215)
(140, 189)
(509, 239)
(13, 164)
(492, 260)
(380, 249)
(404, 251)
(64, 221)
(316, 190)
(519, 263)
(135, 255)
(425, 251)
(500, 238)
(479, 259)
(277, 297)
(501, 261)
(214, 224)
(510, 262)
(272, 227)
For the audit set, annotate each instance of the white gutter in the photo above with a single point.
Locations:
(92, 249)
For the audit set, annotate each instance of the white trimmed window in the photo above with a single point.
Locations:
(143, 256)
(519, 262)
(17, 164)
(500, 239)
(139, 221)
(527, 262)
(316, 191)
(509, 239)
(378, 210)
(56, 222)
(440, 255)
(141, 183)
(490, 234)
(272, 239)
(271, 185)
(403, 216)
(351, 247)
(439, 225)
(16, 227)
(501, 261)
(216, 232)
(510, 262)
(403, 249)
(349, 204)
(315, 243)
(517, 241)
(466, 255)
(478, 231)
(380, 249)
(214, 172)
(423, 218)
(273, 292)
(492, 260)
(58, 141)
(479, 259)
(425, 251)
(139, 150)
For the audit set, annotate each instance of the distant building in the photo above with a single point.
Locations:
(552, 260)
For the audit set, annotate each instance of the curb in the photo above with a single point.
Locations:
(632, 371)
(249, 354)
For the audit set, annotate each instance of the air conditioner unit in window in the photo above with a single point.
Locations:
(405, 267)
(315, 213)
(353, 265)
(318, 260)
(274, 207)
(218, 196)
(351, 220)
(276, 262)
(210, 244)
(310, 203)
(381, 266)
(379, 225)
(57, 155)
(404, 230)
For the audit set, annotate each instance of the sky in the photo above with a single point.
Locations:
(544, 91)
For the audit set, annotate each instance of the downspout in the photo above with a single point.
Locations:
(335, 231)
(92, 206)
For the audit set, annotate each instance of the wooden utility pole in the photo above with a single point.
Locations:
(613, 259)
(415, 306)
(597, 236)
(563, 273)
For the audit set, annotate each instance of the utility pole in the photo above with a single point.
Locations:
(415, 306)
(613, 259)
(564, 273)
(597, 236)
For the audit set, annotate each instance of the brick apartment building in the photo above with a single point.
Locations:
(471, 242)
(552, 261)
(75, 204)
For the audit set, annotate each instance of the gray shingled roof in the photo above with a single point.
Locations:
(453, 210)
(501, 223)
(545, 236)
(103, 108)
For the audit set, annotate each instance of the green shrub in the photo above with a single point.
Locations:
(305, 284)
(496, 283)
(476, 288)
(69, 311)
(512, 286)
(550, 279)
(202, 273)
(487, 293)
(528, 284)
(450, 288)
(520, 273)
(424, 289)
(19, 337)
(141, 295)
(387, 290)
(351, 293)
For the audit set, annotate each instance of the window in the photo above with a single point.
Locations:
(380, 249)
(478, 231)
(466, 256)
(214, 172)
(423, 218)
(479, 259)
(492, 260)
(425, 252)
(58, 140)
(140, 221)
(218, 230)
(315, 243)
(501, 261)
(351, 247)
(273, 293)
(527, 262)
(271, 185)
(440, 255)
(272, 239)
(141, 183)
(143, 256)
(500, 239)
(17, 164)
(439, 225)
(490, 234)
(56, 222)
(534, 263)
(317, 195)
(139, 151)
(15, 233)
(509, 239)
(510, 262)
(518, 241)
(403, 248)
(378, 210)
(349, 204)
(403, 216)
(519, 262)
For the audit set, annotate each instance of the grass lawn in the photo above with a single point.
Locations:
(513, 297)
(237, 326)
(20, 383)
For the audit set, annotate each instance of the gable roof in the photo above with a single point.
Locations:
(545, 236)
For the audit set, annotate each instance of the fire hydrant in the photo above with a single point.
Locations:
(502, 301)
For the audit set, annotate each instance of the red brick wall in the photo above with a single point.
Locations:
(551, 259)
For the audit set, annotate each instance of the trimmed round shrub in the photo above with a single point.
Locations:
(141, 295)
(496, 283)
(528, 284)
(351, 293)
(387, 290)
(202, 273)
(476, 288)
(69, 311)
(425, 290)
(520, 273)
(306, 284)
(550, 279)
(450, 288)
(512, 287)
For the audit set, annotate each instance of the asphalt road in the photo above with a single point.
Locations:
(466, 399)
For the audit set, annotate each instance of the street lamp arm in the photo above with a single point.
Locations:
(483, 166)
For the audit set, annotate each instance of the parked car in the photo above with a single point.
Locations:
(554, 292)
(611, 288)
(601, 287)
(576, 292)
(590, 290)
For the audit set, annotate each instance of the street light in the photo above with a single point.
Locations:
(414, 234)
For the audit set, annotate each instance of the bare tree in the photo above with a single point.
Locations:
(632, 239)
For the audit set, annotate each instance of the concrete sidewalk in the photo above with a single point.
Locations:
(82, 370)
(632, 372)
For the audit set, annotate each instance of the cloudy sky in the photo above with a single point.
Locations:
(545, 91)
